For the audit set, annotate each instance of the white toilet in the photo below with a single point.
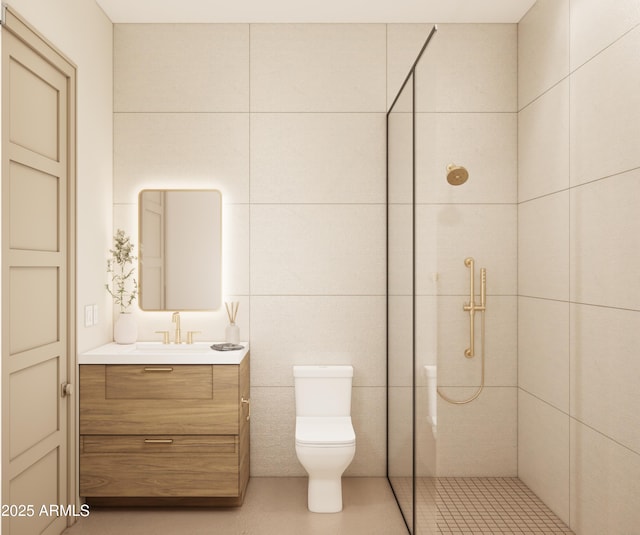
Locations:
(325, 440)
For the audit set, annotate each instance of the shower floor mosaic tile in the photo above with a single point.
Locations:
(473, 505)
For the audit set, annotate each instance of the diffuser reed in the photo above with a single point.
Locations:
(232, 311)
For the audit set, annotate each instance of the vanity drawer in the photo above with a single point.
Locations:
(204, 466)
(155, 400)
(158, 382)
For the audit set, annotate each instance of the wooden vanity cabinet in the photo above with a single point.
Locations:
(164, 434)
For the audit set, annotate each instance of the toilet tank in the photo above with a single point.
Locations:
(323, 390)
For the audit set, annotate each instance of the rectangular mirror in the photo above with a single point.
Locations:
(180, 251)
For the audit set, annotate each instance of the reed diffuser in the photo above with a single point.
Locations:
(232, 332)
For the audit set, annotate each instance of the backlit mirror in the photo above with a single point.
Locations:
(180, 250)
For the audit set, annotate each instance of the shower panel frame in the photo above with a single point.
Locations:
(409, 79)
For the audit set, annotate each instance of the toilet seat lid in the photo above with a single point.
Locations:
(324, 431)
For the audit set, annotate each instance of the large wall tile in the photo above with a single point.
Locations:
(469, 68)
(181, 150)
(369, 418)
(543, 49)
(448, 233)
(605, 96)
(543, 247)
(400, 433)
(318, 67)
(317, 157)
(400, 341)
(273, 422)
(426, 434)
(543, 452)
(579, 248)
(235, 250)
(317, 249)
(605, 484)
(400, 249)
(181, 67)
(543, 144)
(400, 153)
(435, 323)
(543, 350)
(596, 24)
(604, 345)
(485, 143)
(296, 330)
(605, 242)
(442, 336)
(480, 438)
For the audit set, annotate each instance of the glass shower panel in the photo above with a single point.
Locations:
(400, 304)
(452, 254)
(411, 362)
(426, 326)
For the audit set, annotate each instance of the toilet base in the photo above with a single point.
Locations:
(325, 495)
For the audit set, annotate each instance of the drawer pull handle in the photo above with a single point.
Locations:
(157, 369)
(158, 441)
(248, 403)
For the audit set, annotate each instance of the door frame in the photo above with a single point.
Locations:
(12, 22)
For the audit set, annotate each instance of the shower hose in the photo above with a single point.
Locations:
(477, 392)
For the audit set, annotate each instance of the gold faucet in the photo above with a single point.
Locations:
(175, 318)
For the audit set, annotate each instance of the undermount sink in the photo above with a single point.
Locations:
(159, 347)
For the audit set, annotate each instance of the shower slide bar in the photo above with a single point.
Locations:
(472, 308)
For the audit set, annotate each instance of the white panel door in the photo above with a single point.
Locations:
(38, 137)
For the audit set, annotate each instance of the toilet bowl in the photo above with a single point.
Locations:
(325, 440)
(325, 446)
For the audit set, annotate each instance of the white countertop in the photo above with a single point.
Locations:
(158, 353)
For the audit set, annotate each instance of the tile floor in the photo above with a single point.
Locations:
(492, 505)
(272, 506)
(472, 505)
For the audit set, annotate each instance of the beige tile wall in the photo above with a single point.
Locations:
(190, 129)
(318, 68)
(288, 122)
(176, 68)
(539, 426)
(578, 253)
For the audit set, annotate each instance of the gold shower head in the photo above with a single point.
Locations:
(456, 174)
